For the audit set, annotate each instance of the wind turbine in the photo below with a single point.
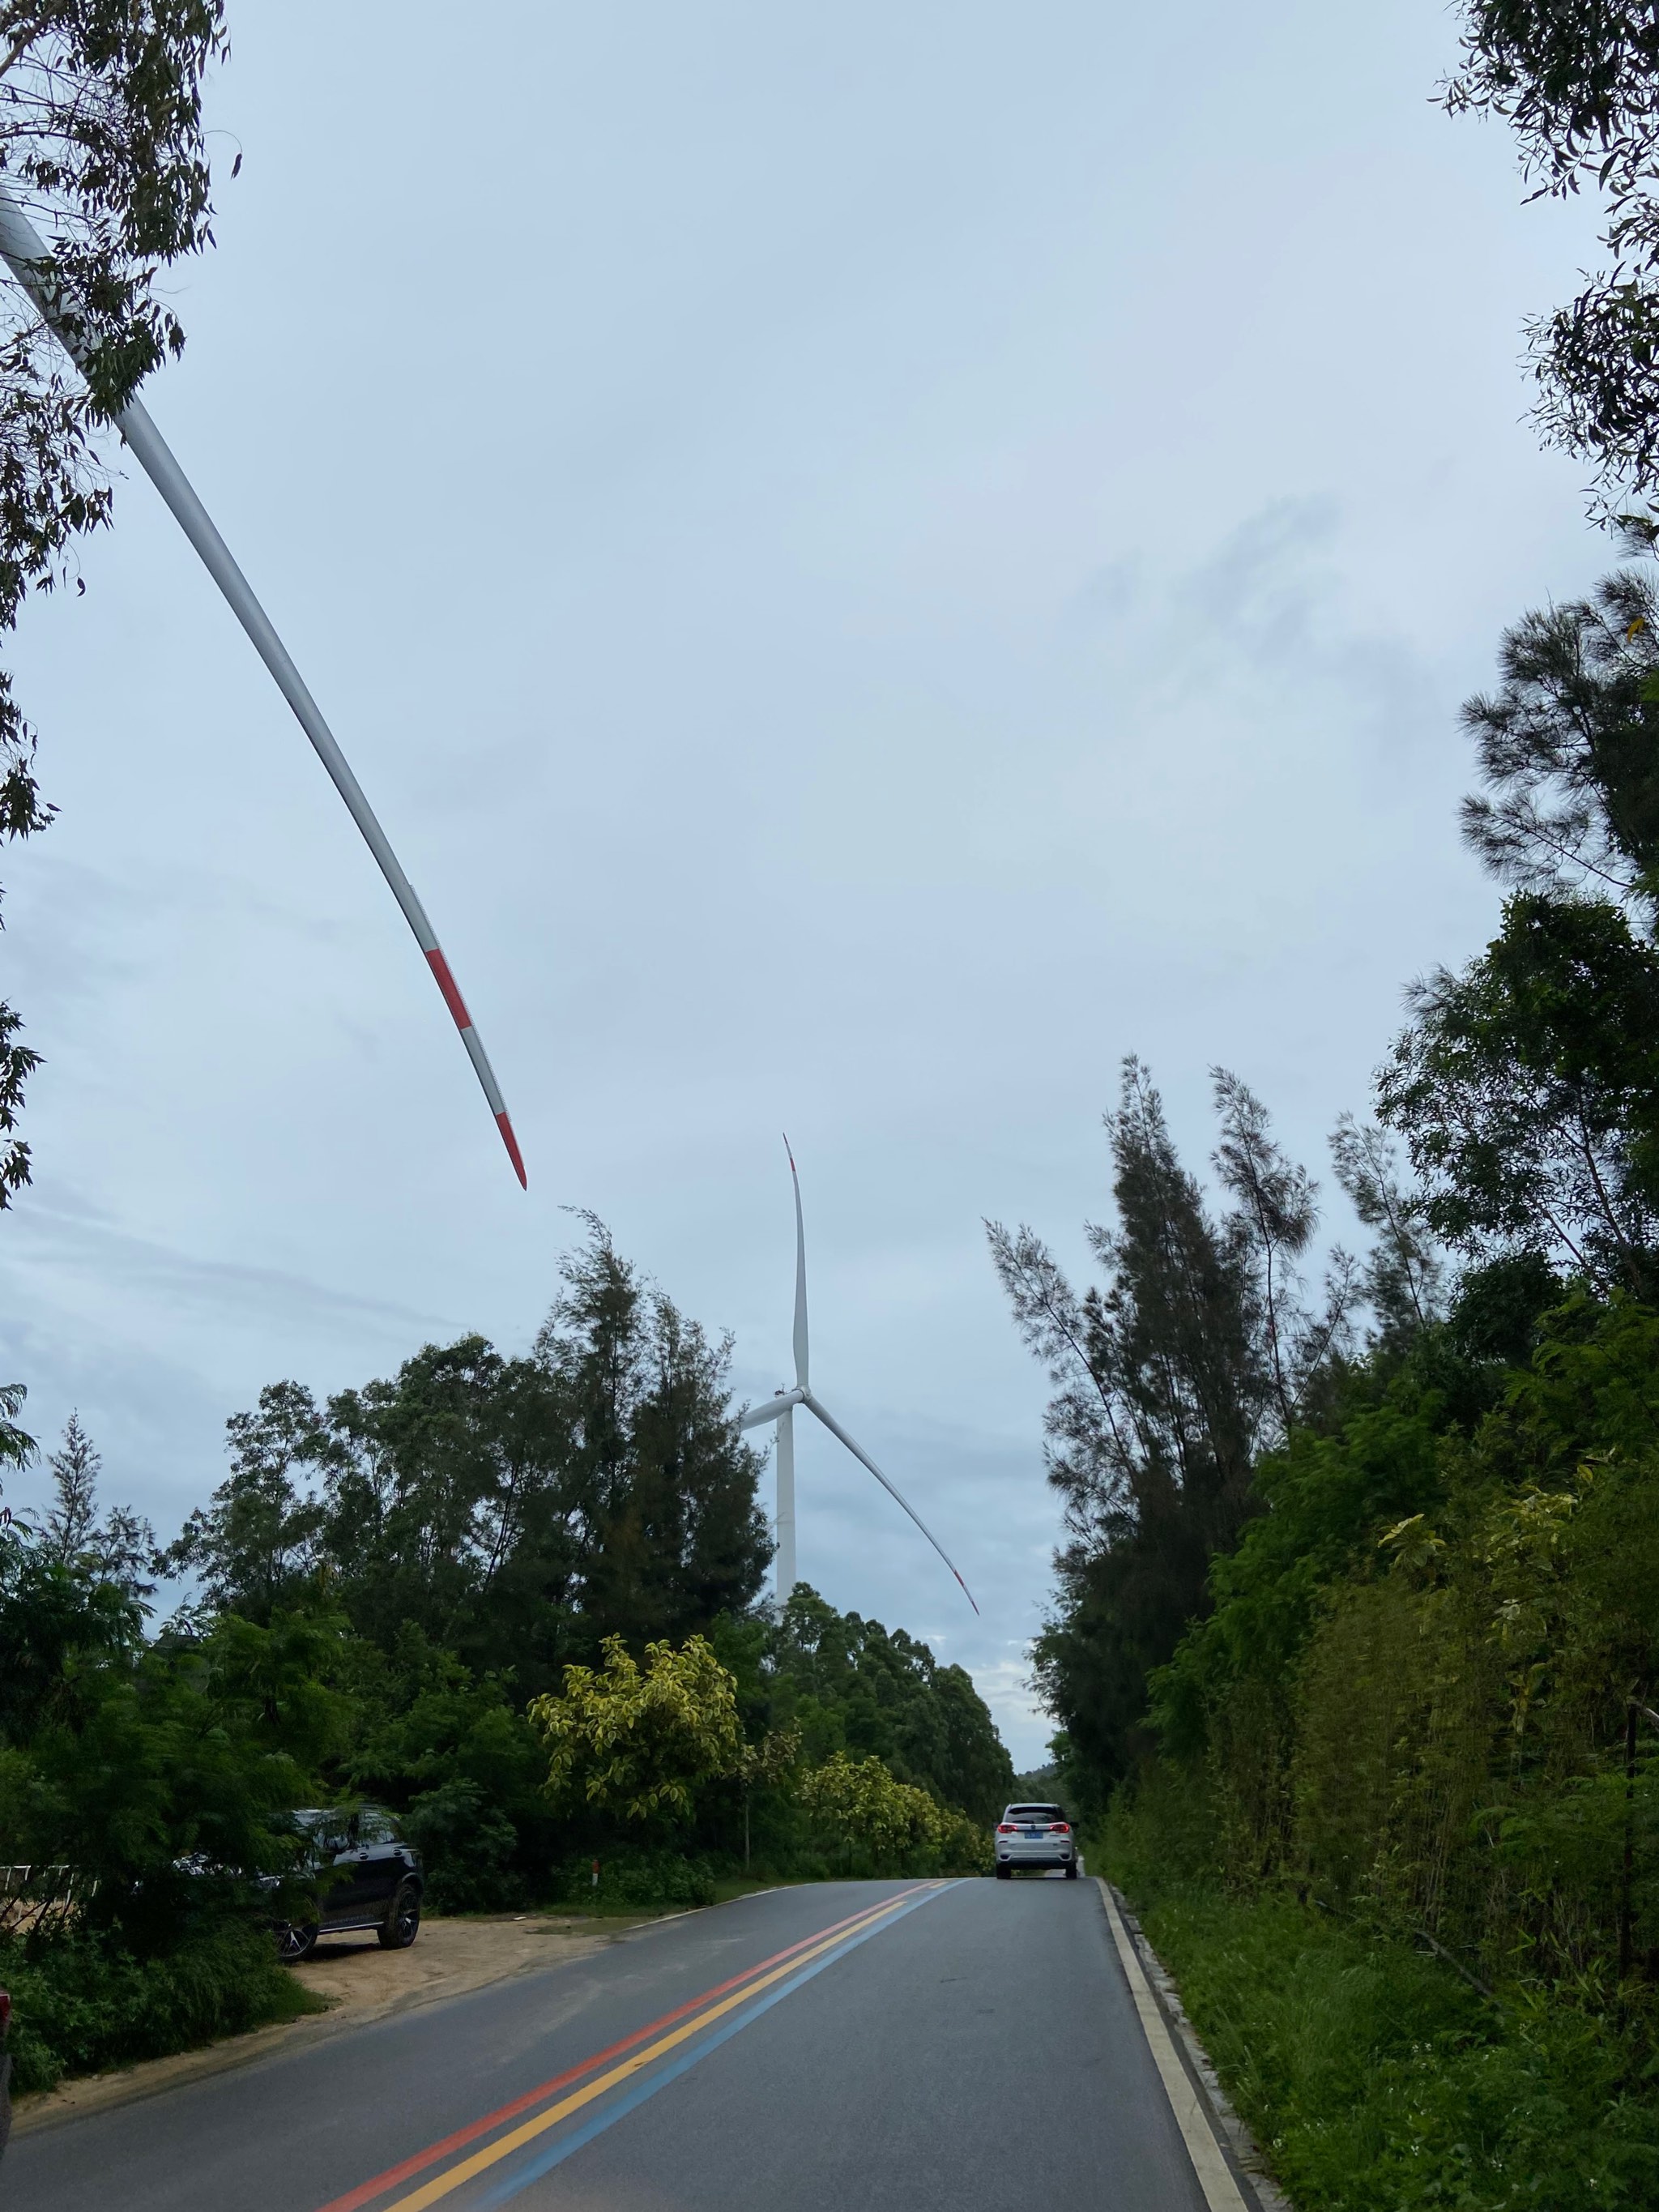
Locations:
(30, 261)
(781, 1409)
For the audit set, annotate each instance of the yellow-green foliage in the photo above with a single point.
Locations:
(1431, 1726)
(638, 1742)
(861, 1812)
(1406, 1718)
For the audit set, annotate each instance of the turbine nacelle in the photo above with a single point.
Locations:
(757, 1416)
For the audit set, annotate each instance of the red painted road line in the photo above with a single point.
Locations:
(417, 2162)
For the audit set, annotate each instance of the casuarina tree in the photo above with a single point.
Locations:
(1199, 1346)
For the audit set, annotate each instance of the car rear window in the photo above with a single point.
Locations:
(1034, 1813)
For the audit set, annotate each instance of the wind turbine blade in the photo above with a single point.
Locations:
(859, 1453)
(23, 251)
(800, 1279)
(772, 1410)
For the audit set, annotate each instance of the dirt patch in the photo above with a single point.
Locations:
(357, 1979)
(357, 1982)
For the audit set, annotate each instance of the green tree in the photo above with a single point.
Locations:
(1199, 1347)
(17, 1447)
(1402, 1278)
(638, 1743)
(116, 1545)
(659, 1488)
(865, 1819)
(1568, 749)
(516, 1510)
(255, 1545)
(1578, 82)
(843, 1683)
(128, 1760)
(101, 138)
(1527, 1086)
(1527, 1091)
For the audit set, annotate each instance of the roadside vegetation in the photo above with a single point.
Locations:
(1355, 1648)
(1356, 1645)
(1354, 1651)
(518, 1602)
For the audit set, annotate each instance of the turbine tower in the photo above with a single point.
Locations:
(781, 1409)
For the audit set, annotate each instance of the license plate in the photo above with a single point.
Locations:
(1031, 1832)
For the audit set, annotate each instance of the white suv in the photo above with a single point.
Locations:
(1035, 1835)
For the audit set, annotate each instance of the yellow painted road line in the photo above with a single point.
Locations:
(1221, 2192)
(480, 2162)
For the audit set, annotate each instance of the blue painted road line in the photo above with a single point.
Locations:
(544, 2161)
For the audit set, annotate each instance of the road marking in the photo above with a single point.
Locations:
(469, 2168)
(406, 2168)
(1221, 2192)
(510, 2187)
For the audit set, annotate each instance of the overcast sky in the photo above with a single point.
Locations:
(871, 561)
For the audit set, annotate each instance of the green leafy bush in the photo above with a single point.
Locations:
(83, 2003)
(465, 1843)
(867, 1823)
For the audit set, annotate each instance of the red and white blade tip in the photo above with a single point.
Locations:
(481, 1067)
(517, 1157)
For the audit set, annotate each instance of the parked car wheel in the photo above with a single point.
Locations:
(1005, 1874)
(1071, 1871)
(295, 1940)
(403, 1922)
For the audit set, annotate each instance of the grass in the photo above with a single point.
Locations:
(744, 1886)
(1375, 2080)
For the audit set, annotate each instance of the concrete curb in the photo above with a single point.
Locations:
(1243, 2155)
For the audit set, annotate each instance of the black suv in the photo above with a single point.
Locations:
(362, 1874)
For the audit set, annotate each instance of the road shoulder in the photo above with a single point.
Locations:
(1230, 2169)
(358, 1983)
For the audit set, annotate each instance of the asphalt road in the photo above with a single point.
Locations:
(959, 2044)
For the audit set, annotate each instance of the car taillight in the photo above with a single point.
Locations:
(1060, 1827)
(1006, 1828)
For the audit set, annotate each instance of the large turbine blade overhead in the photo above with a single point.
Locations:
(800, 1277)
(30, 262)
(859, 1453)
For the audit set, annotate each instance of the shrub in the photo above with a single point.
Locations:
(83, 2003)
(466, 1844)
(1377, 2082)
(634, 1880)
(871, 1823)
(638, 1744)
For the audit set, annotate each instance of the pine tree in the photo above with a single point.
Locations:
(75, 1468)
(119, 1547)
